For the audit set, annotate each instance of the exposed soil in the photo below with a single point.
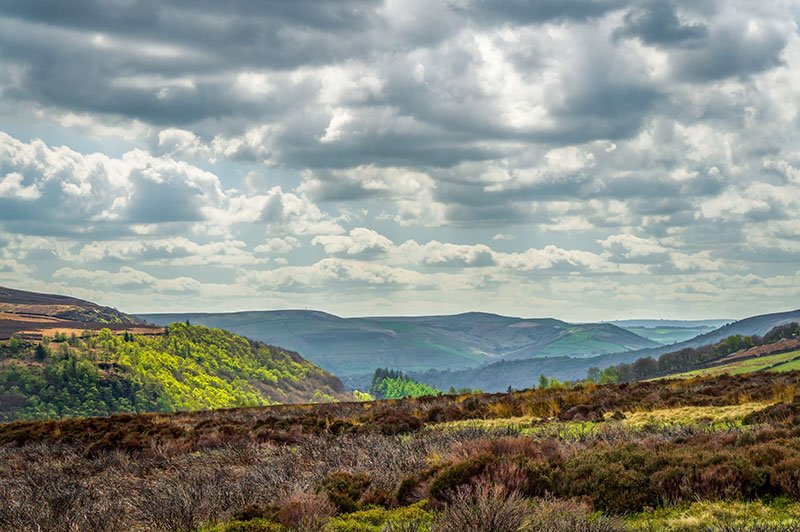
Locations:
(33, 327)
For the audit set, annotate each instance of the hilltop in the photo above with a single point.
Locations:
(358, 346)
(33, 315)
(521, 374)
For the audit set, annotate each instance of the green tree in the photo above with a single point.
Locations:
(544, 382)
(41, 352)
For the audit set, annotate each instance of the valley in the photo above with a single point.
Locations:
(357, 346)
(182, 426)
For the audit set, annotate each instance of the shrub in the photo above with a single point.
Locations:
(615, 479)
(451, 478)
(254, 525)
(344, 489)
(306, 512)
(482, 507)
(550, 515)
(392, 422)
(255, 511)
(787, 475)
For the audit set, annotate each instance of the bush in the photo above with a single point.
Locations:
(392, 422)
(306, 512)
(451, 478)
(344, 489)
(482, 507)
(615, 479)
(558, 516)
(787, 475)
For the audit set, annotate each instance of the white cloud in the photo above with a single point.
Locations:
(360, 240)
(128, 279)
(278, 246)
(11, 187)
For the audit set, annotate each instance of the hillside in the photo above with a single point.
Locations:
(357, 346)
(670, 331)
(33, 315)
(520, 374)
(186, 368)
(57, 306)
(783, 355)
(68, 357)
(718, 453)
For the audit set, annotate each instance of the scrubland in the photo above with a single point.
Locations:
(715, 453)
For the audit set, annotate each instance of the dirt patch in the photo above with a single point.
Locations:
(34, 327)
(788, 344)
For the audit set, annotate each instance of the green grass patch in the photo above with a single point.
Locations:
(702, 514)
(737, 367)
(713, 417)
(375, 519)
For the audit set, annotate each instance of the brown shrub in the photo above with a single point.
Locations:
(482, 507)
(306, 512)
(552, 515)
(787, 475)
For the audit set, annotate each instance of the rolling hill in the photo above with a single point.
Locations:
(33, 315)
(356, 346)
(670, 331)
(54, 367)
(520, 374)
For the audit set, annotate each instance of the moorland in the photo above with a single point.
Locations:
(700, 453)
(180, 426)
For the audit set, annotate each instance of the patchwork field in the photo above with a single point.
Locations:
(35, 326)
(779, 362)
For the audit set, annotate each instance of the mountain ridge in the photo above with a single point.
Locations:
(349, 346)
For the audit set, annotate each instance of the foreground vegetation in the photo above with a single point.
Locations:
(681, 454)
(186, 368)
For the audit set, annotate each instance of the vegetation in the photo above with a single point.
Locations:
(356, 347)
(187, 368)
(687, 359)
(655, 455)
(394, 384)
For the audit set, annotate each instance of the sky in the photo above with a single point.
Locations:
(581, 159)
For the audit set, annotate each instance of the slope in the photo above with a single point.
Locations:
(58, 306)
(33, 315)
(670, 331)
(357, 346)
(524, 373)
(186, 368)
(61, 356)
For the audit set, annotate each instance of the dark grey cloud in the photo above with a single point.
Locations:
(563, 122)
(656, 22)
(538, 11)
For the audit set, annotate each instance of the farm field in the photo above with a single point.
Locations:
(778, 362)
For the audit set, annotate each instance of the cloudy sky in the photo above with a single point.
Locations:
(583, 159)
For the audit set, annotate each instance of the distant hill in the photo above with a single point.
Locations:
(521, 374)
(780, 356)
(670, 331)
(33, 315)
(57, 306)
(353, 346)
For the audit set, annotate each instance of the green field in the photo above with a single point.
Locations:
(780, 362)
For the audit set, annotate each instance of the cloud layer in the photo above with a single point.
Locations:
(589, 159)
